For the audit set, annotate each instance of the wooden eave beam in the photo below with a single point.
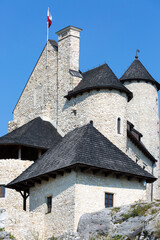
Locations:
(37, 181)
(140, 179)
(68, 170)
(107, 173)
(95, 171)
(119, 175)
(129, 177)
(30, 185)
(60, 173)
(83, 169)
(45, 178)
(21, 187)
(52, 175)
(86, 169)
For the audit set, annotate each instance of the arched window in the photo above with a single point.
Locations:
(118, 125)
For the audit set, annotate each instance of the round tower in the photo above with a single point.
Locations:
(102, 98)
(142, 110)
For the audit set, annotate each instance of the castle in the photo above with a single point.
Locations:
(78, 142)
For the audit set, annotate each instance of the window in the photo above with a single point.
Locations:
(108, 200)
(49, 204)
(39, 96)
(137, 158)
(119, 126)
(144, 165)
(2, 191)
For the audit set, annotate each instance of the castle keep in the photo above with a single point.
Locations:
(78, 142)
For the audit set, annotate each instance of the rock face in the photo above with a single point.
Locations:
(137, 221)
(3, 216)
(5, 235)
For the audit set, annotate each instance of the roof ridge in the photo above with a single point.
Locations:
(95, 68)
(131, 66)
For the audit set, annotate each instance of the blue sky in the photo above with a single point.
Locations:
(112, 31)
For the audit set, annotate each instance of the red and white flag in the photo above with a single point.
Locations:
(49, 18)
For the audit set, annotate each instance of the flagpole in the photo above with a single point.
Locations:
(47, 44)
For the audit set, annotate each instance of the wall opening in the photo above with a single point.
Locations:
(2, 191)
(49, 204)
(118, 125)
(108, 200)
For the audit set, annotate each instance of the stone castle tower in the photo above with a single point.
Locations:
(58, 98)
(67, 98)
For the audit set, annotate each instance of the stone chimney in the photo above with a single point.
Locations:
(68, 46)
(68, 56)
(68, 69)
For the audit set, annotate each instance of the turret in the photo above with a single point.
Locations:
(142, 110)
(102, 98)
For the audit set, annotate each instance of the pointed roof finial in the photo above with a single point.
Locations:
(136, 57)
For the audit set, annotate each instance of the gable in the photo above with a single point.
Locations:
(39, 94)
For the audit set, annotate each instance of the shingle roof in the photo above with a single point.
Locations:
(101, 77)
(36, 133)
(53, 43)
(83, 146)
(140, 145)
(137, 71)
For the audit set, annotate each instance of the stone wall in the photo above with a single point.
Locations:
(142, 111)
(40, 93)
(68, 58)
(73, 194)
(3, 217)
(62, 190)
(9, 170)
(25, 225)
(103, 108)
(90, 192)
(77, 193)
(135, 154)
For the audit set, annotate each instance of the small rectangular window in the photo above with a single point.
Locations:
(144, 165)
(2, 191)
(119, 126)
(108, 200)
(49, 204)
(137, 158)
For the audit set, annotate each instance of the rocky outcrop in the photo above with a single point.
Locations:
(3, 217)
(137, 221)
(5, 235)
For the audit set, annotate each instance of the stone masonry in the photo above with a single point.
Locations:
(43, 96)
(74, 193)
(9, 170)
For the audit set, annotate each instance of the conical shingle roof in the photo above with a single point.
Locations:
(101, 77)
(137, 71)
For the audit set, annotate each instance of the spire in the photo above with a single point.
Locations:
(136, 57)
(137, 71)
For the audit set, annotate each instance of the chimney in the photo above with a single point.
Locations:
(68, 68)
(68, 47)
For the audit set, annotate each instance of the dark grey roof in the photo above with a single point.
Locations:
(54, 44)
(75, 73)
(83, 146)
(137, 71)
(140, 145)
(101, 77)
(36, 133)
